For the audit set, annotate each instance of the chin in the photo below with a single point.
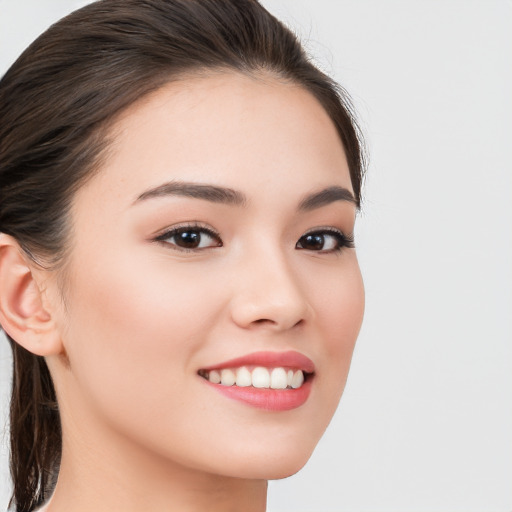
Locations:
(273, 464)
(277, 470)
(286, 470)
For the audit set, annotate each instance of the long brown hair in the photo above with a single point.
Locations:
(56, 103)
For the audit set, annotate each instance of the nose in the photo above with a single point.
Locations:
(269, 295)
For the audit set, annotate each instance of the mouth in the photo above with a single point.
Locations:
(257, 377)
(266, 380)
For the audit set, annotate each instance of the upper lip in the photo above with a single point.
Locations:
(268, 359)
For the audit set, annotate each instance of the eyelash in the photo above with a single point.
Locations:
(188, 228)
(342, 240)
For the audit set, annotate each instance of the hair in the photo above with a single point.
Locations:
(56, 104)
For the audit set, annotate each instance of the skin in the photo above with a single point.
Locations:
(138, 318)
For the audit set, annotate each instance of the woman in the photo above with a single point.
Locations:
(178, 190)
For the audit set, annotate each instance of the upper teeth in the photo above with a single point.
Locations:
(259, 377)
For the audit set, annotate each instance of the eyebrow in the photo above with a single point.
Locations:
(229, 196)
(210, 193)
(326, 196)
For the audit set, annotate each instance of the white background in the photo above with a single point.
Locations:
(426, 420)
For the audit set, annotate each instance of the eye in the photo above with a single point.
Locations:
(325, 240)
(190, 238)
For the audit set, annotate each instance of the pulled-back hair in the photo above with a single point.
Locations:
(57, 102)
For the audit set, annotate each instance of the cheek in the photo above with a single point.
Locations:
(132, 342)
(150, 302)
(132, 335)
(339, 309)
(338, 302)
(345, 309)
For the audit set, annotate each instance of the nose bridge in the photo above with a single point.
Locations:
(270, 292)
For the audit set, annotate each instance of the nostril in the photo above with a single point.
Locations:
(269, 322)
(271, 310)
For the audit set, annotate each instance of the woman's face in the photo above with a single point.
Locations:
(215, 239)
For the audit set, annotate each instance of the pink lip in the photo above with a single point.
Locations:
(268, 399)
(290, 359)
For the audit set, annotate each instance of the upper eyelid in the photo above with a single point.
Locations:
(323, 228)
(172, 231)
(327, 229)
(348, 238)
(193, 226)
(199, 226)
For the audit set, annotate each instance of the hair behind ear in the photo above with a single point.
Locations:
(35, 435)
(35, 432)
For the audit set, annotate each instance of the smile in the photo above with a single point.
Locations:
(266, 380)
(260, 377)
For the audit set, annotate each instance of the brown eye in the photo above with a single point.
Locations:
(324, 241)
(314, 242)
(187, 238)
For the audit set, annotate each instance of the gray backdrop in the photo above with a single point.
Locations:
(426, 420)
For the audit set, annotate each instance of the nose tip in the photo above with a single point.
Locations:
(270, 299)
(256, 314)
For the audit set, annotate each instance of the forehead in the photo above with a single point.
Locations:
(227, 129)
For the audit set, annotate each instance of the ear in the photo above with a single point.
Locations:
(23, 314)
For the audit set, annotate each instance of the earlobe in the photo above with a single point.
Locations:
(22, 312)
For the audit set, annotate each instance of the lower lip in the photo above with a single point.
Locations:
(268, 399)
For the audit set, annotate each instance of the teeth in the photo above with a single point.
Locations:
(243, 377)
(214, 377)
(298, 379)
(260, 377)
(278, 379)
(227, 377)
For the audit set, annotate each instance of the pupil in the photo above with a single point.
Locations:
(313, 242)
(189, 239)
